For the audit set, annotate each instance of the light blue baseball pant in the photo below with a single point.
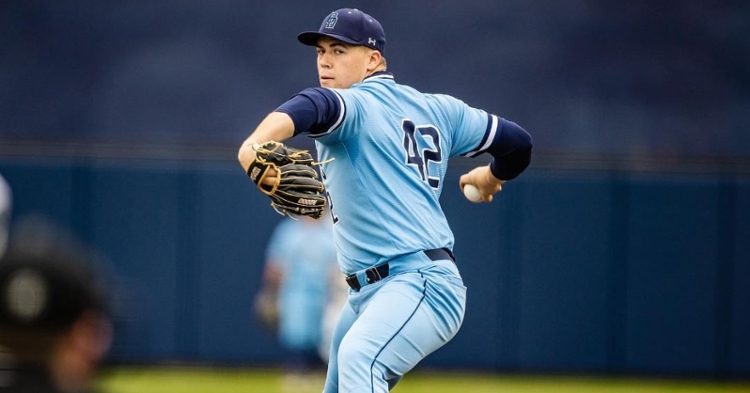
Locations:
(387, 327)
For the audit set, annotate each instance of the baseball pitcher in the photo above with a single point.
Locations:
(383, 151)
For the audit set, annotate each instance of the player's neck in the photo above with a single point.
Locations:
(379, 68)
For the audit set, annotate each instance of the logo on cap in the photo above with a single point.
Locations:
(371, 41)
(332, 19)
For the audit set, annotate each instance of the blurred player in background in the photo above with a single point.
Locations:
(300, 260)
(54, 316)
(388, 147)
(338, 293)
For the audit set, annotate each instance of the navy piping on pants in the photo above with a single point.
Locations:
(372, 365)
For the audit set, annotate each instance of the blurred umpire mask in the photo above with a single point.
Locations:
(47, 283)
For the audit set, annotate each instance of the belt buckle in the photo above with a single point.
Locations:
(373, 275)
(353, 282)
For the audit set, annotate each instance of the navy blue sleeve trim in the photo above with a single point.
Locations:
(316, 111)
(511, 149)
(489, 133)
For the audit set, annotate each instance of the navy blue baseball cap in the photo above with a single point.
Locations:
(348, 25)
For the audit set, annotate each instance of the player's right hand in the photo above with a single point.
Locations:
(482, 178)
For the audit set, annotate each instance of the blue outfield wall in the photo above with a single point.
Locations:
(568, 271)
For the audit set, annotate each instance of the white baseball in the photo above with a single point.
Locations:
(471, 192)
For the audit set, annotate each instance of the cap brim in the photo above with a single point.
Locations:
(311, 38)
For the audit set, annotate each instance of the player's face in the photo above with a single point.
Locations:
(341, 65)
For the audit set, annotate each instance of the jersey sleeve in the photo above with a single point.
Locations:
(348, 118)
(475, 132)
(321, 112)
(471, 128)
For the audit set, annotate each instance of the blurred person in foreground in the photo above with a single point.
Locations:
(5, 207)
(54, 316)
(297, 288)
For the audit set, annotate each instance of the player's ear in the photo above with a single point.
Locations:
(374, 60)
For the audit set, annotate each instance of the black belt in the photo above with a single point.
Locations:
(375, 274)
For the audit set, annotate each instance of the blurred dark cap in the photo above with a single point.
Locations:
(47, 280)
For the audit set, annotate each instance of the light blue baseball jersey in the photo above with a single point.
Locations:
(390, 148)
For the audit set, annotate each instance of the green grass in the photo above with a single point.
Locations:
(195, 380)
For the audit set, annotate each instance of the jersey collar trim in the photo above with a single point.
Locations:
(380, 75)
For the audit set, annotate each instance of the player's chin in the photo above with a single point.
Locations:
(327, 82)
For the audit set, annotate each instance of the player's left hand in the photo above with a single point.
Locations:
(482, 178)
